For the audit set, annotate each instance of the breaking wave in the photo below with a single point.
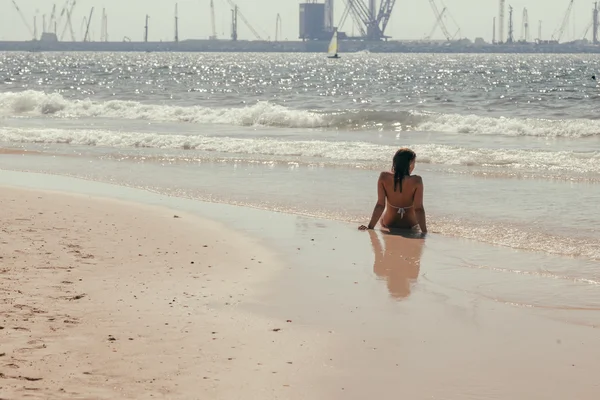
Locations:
(32, 103)
(319, 150)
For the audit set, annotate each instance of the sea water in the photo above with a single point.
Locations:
(508, 145)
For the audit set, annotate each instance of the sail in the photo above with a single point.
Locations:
(333, 45)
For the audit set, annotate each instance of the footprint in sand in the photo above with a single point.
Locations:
(31, 310)
(35, 345)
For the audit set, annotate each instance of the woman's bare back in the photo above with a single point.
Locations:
(400, 207)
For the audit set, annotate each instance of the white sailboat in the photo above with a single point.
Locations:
(333, 46)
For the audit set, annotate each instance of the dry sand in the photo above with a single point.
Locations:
(106, 300)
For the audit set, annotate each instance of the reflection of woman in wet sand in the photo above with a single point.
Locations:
(398, 261)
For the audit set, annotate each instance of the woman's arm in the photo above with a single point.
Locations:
(379, 207)
(418, 202)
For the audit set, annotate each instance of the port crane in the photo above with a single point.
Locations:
(69, 23)
(557, 35)
(440, 18)
(82, 26)
(244, 20)
(371, 23)
(383, 16)
(52, 17)
(24, 20)
(345, 15)
(63, 11)
(437, 23)
(87, 29)
(587, 29)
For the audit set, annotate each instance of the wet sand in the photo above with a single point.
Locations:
(103, 301)
(13, 151)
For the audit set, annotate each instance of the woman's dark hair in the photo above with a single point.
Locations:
(401, 165)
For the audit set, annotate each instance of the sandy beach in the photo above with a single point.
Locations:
(106, 299)
(184, 226)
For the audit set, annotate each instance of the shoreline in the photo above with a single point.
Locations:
(556, 236)
(371, 314)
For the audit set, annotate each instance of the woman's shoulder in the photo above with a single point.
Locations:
(412, 178)
(416, 179)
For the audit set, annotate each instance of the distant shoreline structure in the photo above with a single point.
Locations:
(316, 46)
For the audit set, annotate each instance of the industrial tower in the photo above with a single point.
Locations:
(234, 23)
(278, 32)
(146, 29)
(510, 38)
(176, 23)
(213, 36)
(525, 26)
(104, 27)
(595, 24)
(501, 22)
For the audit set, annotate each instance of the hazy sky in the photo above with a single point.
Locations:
(411, 19)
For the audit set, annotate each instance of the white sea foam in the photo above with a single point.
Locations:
(327, 151)
(31, 103)
(505, 234)
(473, 124)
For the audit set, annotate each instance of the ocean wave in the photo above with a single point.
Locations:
(28, 103)
(263, 113)
(318, 150)
(504, 126)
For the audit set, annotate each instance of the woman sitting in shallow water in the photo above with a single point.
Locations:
(404, 195)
